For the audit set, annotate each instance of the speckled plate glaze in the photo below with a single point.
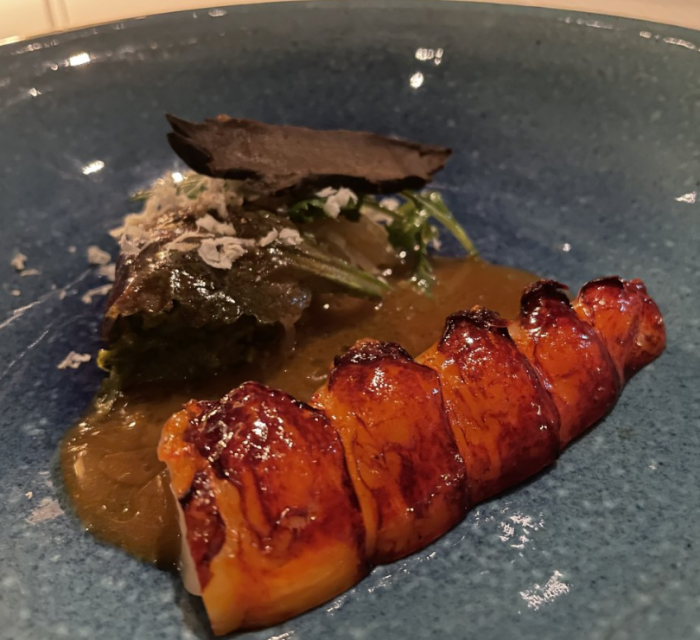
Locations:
(577, 154)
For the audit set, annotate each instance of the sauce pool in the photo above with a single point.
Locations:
(118, 486)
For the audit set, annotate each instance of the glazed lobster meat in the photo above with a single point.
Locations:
(503, 420)
(271, 516)
(284, 505)
(404, 463)
(569, 356)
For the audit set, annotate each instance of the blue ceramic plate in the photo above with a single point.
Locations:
(577, 154)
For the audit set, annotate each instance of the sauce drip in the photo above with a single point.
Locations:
(118, 486)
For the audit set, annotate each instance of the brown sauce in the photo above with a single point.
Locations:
(110, 467)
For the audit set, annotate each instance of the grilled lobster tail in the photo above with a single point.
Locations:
(285, 505)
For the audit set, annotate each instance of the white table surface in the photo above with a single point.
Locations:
(26, 18)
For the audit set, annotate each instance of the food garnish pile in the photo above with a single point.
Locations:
(220, 261)
(283, 504)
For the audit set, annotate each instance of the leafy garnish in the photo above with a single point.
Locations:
(432, 202)
(306, 211)
(313, 259)
(411, 232)
(175, 314)
(190, 185)
(329, 203)
(409, 226)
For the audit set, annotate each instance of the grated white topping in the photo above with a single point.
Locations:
(268, 238)
(186, 241)
(73, 360)
(108, 271)
(97, 256)
(377, 216)
(290, 237)
(102, 290)
(221, 253)
(336, 200)
(390, 203)
(207, 200)
(212, 225)
(133, 238)
(19, 261)
(193, 195)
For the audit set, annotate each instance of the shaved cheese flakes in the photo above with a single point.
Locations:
(221, 253)
(268, 238)
(186, 241)
(97, 291)
(97, 256)
(212, 225)
(336, 200)
(73, 360)
(108, 271)
(290, 237)
(205, 202)
(19, 261)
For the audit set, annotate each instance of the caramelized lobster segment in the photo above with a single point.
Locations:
(569, 356)
(627, 320)
(505, 423)
(402, 457)
(271, 520)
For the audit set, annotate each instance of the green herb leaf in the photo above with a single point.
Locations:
(423, 274)
(315, 209)
(191, 186)
(434, 205)
(411, 232)
(307, 211)
(313, 259)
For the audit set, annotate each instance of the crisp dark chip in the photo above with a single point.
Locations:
(280, 159)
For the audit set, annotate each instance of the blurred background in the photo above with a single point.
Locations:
(27, 18)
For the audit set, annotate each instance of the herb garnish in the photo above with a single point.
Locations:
(409, 225)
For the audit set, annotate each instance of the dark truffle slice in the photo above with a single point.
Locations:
(280, 159)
